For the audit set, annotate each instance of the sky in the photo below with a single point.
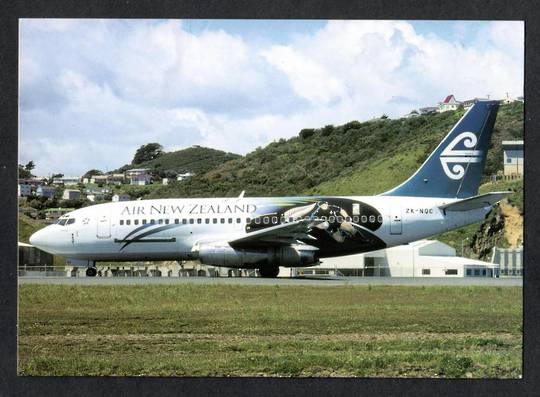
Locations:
(92, 91)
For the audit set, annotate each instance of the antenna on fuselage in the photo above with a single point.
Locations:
(242, 194)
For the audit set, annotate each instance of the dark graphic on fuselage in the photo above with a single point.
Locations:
(340, 226)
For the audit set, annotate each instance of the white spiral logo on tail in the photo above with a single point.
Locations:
(460, 157)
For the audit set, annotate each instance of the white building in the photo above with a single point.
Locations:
(66, 180)
(93, 197)
(121, 197)
(428, 110)
(45, 191)
(448, 103)
(181, 177)
(513, 157)
(424, 258)
(98, 179)
(139, 176)
(71, 194)
(24, 190)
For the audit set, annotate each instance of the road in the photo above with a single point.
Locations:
(327, 281)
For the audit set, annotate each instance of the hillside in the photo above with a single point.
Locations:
(195, 159)
(355, 158)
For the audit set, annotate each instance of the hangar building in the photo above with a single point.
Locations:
(424, 258)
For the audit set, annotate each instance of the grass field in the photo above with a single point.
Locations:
(235, 330)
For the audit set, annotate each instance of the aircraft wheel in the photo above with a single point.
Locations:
(91, 272)
(269, 271)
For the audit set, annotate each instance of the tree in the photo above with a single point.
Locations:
(91, 172)
(24, 173)
(147, 152)
(30, 166)
(384, 117)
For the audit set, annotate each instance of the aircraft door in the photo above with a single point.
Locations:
(103, 226)
(396, 226)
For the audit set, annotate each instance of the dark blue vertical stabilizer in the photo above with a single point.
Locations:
(455, 167)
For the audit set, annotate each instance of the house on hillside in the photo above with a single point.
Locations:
(121, 197)
(116, 179)
(71, 194)
(448, 103)
(181, 177)
(45, 191)
(24, 190)
(66, 180)
(139, 176)
(513, 158)
(428, 110)
(469, 102)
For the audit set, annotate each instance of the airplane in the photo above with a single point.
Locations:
(267, 232)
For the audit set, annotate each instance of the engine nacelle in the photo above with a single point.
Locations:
(280, 256)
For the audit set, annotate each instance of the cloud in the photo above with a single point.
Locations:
(92, 91)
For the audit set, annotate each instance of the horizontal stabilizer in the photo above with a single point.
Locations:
(483, 200)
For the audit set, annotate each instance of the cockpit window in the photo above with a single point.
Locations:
(70, 221)
(61, 222)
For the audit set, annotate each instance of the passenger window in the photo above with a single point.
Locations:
(222, 220)
(238, 220)
(160, 221)
(177, 221)
(230, 220)
(274, 219)
(128, 222)
(166, 221)
(331, 219)
(372, 218)
(356, 218)
(364, 218)
(258, 221)
(379, 219)
(144, 221)
(184, 221)
(199, 220)
(152, 221)
(192, 221)
(248, 220)
(206, 220)
(121, 222)
(340, 219)
(266, 220)
(136, 222)
(214, 220)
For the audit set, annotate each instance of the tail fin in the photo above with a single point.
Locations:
(455, 167)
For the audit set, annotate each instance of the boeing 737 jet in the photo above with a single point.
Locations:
(267, 232)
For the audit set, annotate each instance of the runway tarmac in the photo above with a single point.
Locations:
(318, 281)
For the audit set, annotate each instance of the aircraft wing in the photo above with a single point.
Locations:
(282, 234)
(475, 202)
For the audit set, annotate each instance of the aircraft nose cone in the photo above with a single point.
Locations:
(35, 239)
(43, 240)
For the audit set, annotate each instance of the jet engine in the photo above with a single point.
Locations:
(256, 258)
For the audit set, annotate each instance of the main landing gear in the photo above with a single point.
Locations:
(91, 271)
(269, 271)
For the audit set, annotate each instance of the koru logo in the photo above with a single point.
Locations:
(460, 157)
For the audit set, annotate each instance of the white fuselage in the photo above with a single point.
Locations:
(171, 229)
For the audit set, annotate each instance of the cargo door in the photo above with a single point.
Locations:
(396, 226)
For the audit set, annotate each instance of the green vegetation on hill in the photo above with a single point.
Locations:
(195, 159)
(352, 159)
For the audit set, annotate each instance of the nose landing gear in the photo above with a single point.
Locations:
(91, 271)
